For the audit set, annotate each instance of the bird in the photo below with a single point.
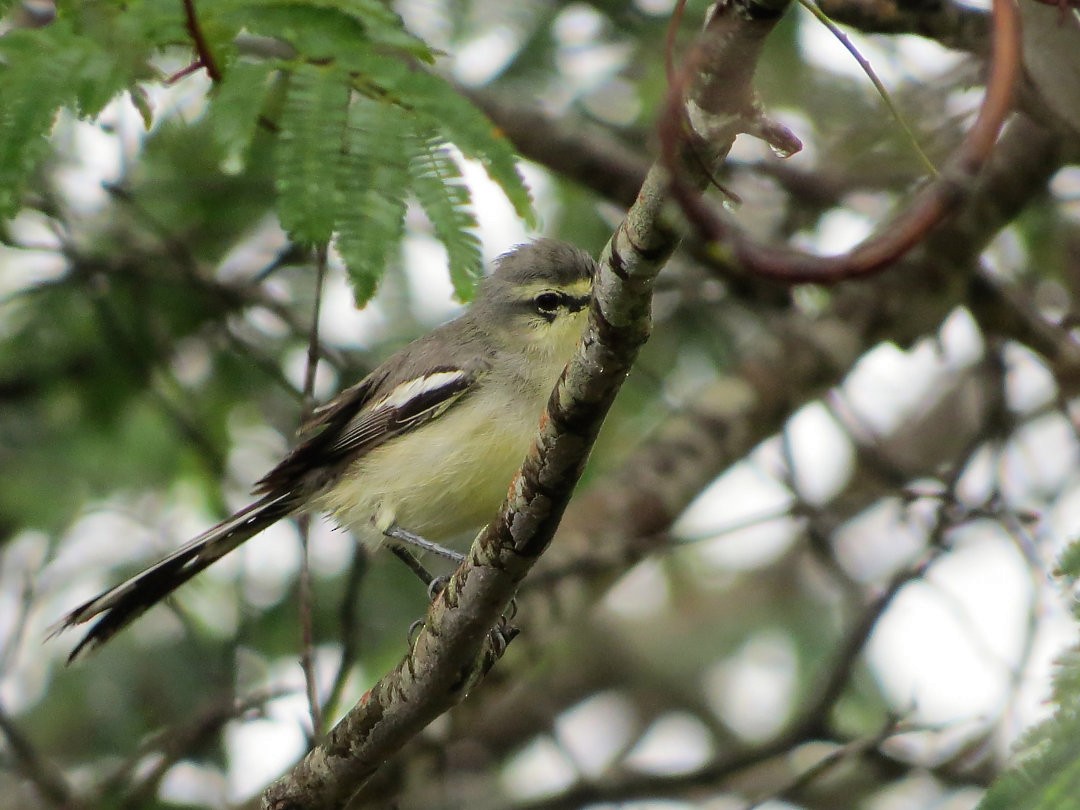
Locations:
(418, 452)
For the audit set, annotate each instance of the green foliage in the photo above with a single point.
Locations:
(235, 106)
(326, 30)
(178, 184)
(436, 105)
(374, 176)
(445, 198)
(86, 57)
(1069, 564)
(336, 171)
(309, 140)
(39, 73)
(76, 364)
(1045, 774)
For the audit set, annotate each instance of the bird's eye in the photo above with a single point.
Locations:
(547, 303)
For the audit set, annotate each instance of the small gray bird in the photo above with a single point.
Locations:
(420, 450)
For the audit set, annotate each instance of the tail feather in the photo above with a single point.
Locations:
(123, 604)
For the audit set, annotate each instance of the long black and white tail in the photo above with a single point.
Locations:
(123, 604)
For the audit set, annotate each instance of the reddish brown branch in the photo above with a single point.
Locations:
(669, 39)
(937, 200)
(187, 70)
(206, 59)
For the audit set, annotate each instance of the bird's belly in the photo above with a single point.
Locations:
(443, 480)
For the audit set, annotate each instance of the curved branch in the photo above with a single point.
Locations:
(937, 200)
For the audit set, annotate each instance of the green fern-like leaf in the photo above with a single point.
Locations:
(34, 83)
(463, 124)
(1069, 563)
(310, 140)
(437, 105)
(318, 34)
(1045, 773)
(83, 59)
(327, 30)
(438, 186)
(235, 105)
(339, 167)
(382, 25)
(117, 45)
(374, 180)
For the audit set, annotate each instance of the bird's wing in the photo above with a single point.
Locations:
(362, 417)
(365, 416)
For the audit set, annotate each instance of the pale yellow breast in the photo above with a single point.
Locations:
(445, 479)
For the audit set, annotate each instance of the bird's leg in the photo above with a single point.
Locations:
(412, 563)
(395, 532)
(434, 584)
(500, 635)
(402, 538)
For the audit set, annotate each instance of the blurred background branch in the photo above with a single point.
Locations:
(813, 556)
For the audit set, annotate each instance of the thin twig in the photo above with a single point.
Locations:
(307, 598)
(864, 63)
(313, 335)
(201, 47)
(184, 72)
(669, 39)
(179, 742)
(810, 723)
(44, 775)
(855, 748)
(349, 629)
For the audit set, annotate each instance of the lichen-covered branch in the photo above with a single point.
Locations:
(449, 654)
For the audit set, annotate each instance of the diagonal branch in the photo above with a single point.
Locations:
(454, 648)
(45, 776)
(628, 516)
(202, 48)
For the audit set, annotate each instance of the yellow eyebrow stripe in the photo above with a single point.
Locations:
(582, 288)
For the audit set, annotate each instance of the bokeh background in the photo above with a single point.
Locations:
(811, 564)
